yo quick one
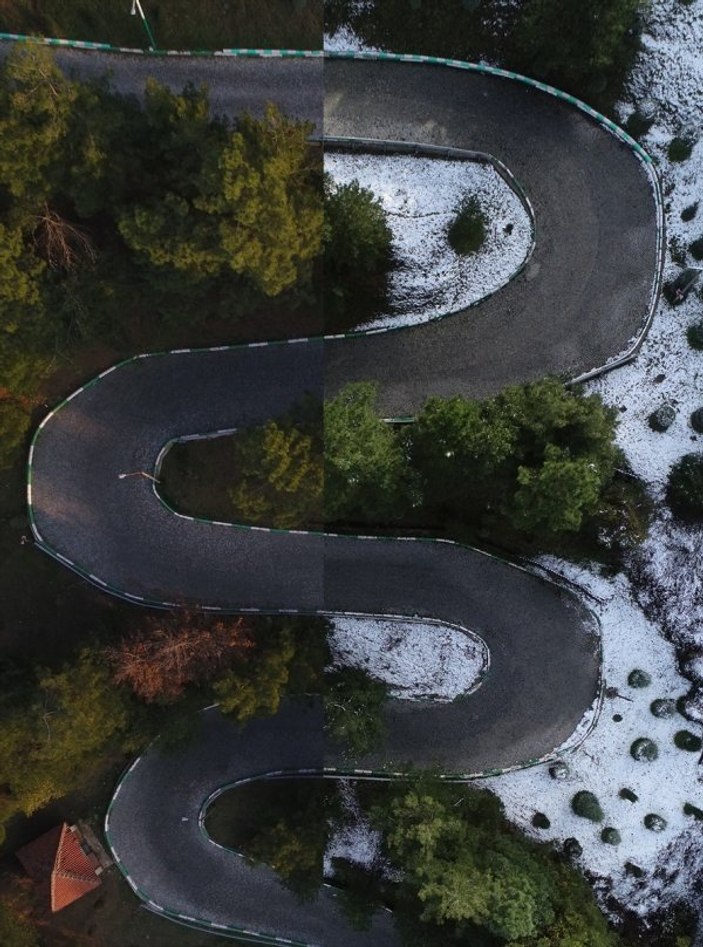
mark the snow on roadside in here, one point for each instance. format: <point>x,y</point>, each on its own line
<point>421,197</point>
<point>419,660</point>
<point>603,765</point>
<point>353,838</point>
<point>667,83</point>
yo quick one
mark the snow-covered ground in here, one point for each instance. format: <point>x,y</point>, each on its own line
<point>421,197</point>
<point>665,578</point>
<point>603,764</point>
<point>418,660</point>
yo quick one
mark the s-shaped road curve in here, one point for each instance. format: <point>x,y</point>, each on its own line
<point>584,296</point>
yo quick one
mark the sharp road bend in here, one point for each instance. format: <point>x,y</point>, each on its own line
<point>583,298</point>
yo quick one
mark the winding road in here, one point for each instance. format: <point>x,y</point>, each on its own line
<point>584,297</point>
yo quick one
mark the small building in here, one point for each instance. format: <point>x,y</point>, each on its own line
<point>64,863</point>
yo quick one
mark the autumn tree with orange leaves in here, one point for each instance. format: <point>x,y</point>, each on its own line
<point>176,649</point>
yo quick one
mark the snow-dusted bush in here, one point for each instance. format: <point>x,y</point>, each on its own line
<point>685,740</point>
<point>639,678</point>
<point>586,805</point>
<point>685,487</point>
<point>691,706</point>
<point>610,836</point>
<point>680,149</point>
<point>690,809</point>
<point>467,232</point>
<point>654,822</point>
<point>662,417</point>
<point>696,249</point>
<point>572,848</point>
<point>696,420</point>
<point>559,770</point>
<point>644,750</point>
<point>540,821</point>
<point>694,336</point>
<point>663,707</point>
<point>688,213</point>
<point>628,794</point>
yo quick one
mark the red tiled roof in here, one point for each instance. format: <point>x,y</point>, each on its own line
<point>58,854</point>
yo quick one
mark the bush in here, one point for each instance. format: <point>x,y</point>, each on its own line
<point>663,707</point>
<point>685,487</point>
<point>662,418</point>
<point>572,848</point>
<point>696,420</point>
<point>694,335</point>
<point>610,836</point>
<point>628,794</point>
<point>696,249</point>
<point>639,678</point>
<point>690,809</point>
<point>586,805</point>
<point>688,213</point>
<point>634,870</point>
<point>559,770</point>
<point>679,149</point>
<point>644,750</point>
<point>637,125</point>
<point>540,821</point>
<point>467,232</point>
<point>654,822</point>
<point>685,740</point>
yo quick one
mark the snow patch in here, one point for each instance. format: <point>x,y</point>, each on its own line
<point>418,660</point>
<point>421,197</point>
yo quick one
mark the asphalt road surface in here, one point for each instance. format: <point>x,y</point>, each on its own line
<point>584,295</point>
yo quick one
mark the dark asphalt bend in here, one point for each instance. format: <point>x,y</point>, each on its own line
<point>583,296</point>
<point>586,291</point>
<point>153,826</point>
<point>117,530</point>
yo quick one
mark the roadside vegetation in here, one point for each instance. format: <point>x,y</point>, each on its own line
<point>175,24</point>
<point>584,48</point>
<point>120,220</point>
<point>449,865</point>
<point>358,255</point>
<point>534,469</point>
<point>467,232</point>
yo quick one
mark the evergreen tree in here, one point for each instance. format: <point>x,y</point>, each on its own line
<point>366,475</point>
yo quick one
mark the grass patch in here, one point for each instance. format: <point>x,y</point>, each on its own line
<point>467,232</point>
<point>176,24</point>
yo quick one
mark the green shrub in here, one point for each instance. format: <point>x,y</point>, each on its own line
<point>639,678</point>
<point>663,707</point>
<point>540,821</point>
<point>685,487</point>
<point>586,805</point>
<point>644,750</point>
<point>662,418</point>
<point>628,794</point>
<point>694,335</point>
<point>679,149</point>
<point>688,213</point>
<point>637,125</point>
<point>685,740</point>
<point>654,822</point>
<point>696,249</point>
<point>467,232</point>
<point>634,870</point>
<point>690,809</point>
<point>696,420</point>
<point>610,836</point>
